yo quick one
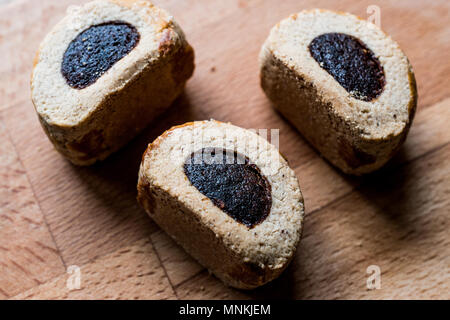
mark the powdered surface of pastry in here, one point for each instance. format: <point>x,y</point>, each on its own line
<point>104,72</point>
<point>345,85</point>
<point>241,219</point>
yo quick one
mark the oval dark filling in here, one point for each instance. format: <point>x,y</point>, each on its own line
<point>232,183</point>
<point>95,50</point>
<point>351,63</point>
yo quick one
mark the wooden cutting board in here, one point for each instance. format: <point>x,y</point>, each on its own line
<point>58,221</point>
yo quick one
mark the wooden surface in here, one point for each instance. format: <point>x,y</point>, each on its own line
<point>54,215</point>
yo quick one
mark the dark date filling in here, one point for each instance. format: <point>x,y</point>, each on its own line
<point>95,50</point>
<point>232,183</point>
<point>351,63</point>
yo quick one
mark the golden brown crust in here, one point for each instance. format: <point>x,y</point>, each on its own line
<point>357,137</point>
<point>130,3</point>
<point>162,65</point>
<point>95,144</point>
<point>155,144</point>
<point>413,102</point>
<point>241,257</point>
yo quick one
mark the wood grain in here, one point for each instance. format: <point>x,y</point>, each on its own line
<point>132,272</point>
<point>396,218</point>
<point>390,221</point>
<point>430,131</point>
<point>28,255</point>
<point>91,211</point>
<point>322,186</point>
<point>177,263</point>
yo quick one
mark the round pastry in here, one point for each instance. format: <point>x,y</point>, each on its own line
<point>104,72</point>
<point>345,85</point>
<point>227,196</point>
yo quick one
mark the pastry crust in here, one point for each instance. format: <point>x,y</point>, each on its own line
<point>241,256</point>
<point>89,124</point>
<point>356,136</point>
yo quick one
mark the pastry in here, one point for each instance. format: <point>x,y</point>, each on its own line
<point>105,72</point>
<point>227,196</point>
<point>343,83</point>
